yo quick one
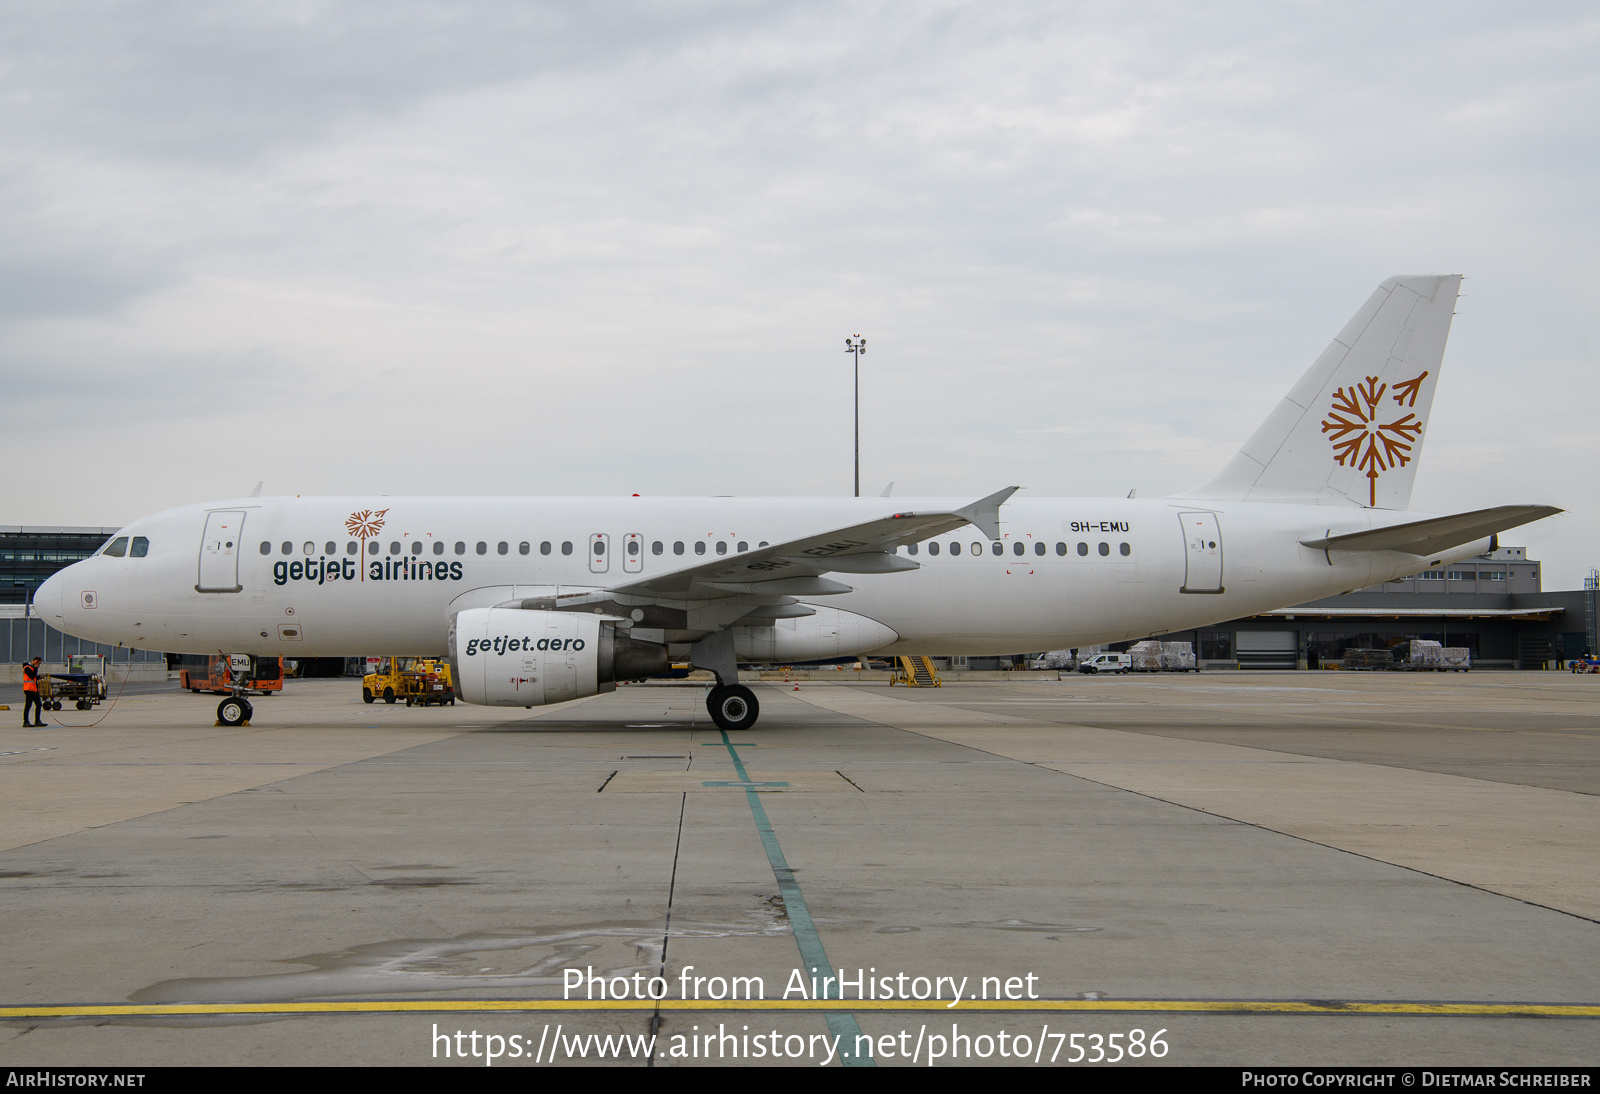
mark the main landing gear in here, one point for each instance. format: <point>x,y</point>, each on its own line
<point>733,706</point>
<point>234,712</point>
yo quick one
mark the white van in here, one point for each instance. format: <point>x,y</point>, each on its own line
<point>1106,662</point>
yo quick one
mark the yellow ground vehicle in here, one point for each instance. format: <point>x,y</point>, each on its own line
<point>420,681</point>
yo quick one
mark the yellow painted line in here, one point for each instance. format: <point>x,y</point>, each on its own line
<point>1089,1006</point>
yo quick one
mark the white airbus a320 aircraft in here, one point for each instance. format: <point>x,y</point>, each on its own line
<point>544,600</point>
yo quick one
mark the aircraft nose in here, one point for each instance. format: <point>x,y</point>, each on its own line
<point>47,598</point>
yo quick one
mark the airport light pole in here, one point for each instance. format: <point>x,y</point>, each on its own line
<point>856,347</point>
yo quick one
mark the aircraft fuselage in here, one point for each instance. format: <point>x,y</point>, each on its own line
<point>344,576</point>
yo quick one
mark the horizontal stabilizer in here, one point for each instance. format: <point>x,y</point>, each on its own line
<point>1426,537</point>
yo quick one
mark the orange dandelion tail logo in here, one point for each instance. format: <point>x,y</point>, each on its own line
<point>1360,440</point>
<point>364,525</point>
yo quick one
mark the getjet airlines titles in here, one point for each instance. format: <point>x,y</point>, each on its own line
<point>543,600</point>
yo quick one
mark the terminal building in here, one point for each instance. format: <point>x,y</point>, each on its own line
<point>1494,605</point>
<point>28,555</point>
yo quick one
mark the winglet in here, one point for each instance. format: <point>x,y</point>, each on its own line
<point>984,514</point>
<point>256,493</point>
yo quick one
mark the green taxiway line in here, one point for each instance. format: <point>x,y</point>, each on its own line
<point>840,1023</point>
<point>1080,1006</point>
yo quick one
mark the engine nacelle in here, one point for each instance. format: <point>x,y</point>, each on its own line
<point>506,657</point>
<point>829,633</point>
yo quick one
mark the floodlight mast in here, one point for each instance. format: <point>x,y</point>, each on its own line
<point>856,346</point>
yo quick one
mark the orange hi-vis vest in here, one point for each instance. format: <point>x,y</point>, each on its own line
<point>30,678</point>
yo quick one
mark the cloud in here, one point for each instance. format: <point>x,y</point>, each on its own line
<point>538,247</point>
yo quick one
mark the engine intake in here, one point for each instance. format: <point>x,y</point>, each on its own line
<point>505,657</point>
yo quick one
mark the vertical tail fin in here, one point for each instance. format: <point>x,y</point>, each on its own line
<point>1351,431</point>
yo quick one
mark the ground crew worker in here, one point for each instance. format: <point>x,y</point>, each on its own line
<point>30,695</point>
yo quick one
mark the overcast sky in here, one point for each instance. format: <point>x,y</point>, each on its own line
<point>605,249</point>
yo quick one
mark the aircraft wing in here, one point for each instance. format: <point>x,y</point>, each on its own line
<point>1425,537</point>
<point>765,581</point>
<point>866,548</point>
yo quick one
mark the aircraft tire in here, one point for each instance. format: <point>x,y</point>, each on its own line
<point>733,707</point>
<point>233,712</point>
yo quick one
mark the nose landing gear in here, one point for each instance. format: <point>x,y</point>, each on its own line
<point>733,706</point>
<point>235,710</point>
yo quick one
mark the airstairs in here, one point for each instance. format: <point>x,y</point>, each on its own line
<point>915,672</point>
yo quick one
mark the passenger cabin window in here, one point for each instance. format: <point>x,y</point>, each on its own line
<point>677,547</point>
<point>352,547</point>
<point>1083,548</point>
<point>438,547</point>
<point>911,548</point>
<point>118,548</point>
<point>461,548</point>
<point>524,547</point>
<point>309,548</point>
<point>1038,548</point>
<point>1105,548</point>
<point>266,548</point>
<point>955,548</point>
<point>566,546</point>
<point>1016,548</point>
<point>599,547</point>
<point>933,547</point>
<point>372,547</point>
<point>1061,548</point>
<point>656,548</point>
<point>416,546</point>
<point>977,548</point>
<point>743,546</point>
<point>544,547</point>
<point>722,548</point>
<point>502,547</point>
<point>1125,549</point>
<point>140,547</point>
<point>483,548</point>
<point>394,546</point>
<point>330,548</point>
<point>633,548</point>
<point>700,547</point>
<point>288,548</point>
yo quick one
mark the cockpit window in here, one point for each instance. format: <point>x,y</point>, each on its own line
<point>118,548</point>
<point>141,547</point>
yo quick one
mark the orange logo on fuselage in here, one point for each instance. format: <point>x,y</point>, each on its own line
<point>364,525</point>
